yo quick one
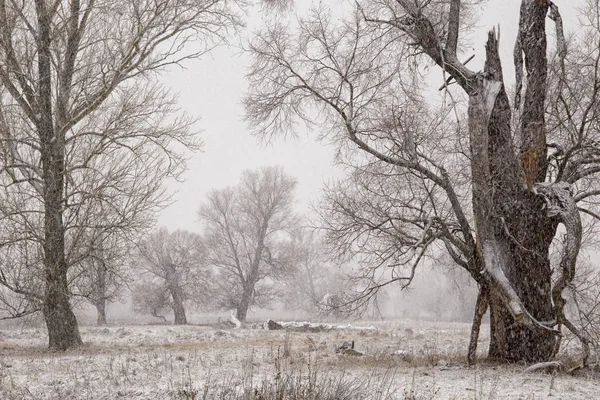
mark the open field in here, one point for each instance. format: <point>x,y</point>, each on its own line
<point>401,360</point>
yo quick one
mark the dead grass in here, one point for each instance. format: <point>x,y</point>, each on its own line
<point>203,363</point>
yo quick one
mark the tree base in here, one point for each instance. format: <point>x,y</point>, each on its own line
<point>63,330</point>
<point>513,342</point>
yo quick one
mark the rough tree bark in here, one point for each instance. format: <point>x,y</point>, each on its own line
<point>178,309</point>
<point>63,330</point>
<point>513,234</point>
<point>509,255</point>
<point>179,317</point>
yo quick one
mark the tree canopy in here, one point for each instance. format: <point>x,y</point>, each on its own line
<point>488,184</point>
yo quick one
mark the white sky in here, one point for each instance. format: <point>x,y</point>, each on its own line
<point>213,86</point>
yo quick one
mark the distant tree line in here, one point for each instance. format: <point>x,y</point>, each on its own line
<point>252,252</point>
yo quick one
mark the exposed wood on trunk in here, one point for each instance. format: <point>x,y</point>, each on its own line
<point>531,43</point>
<point>496,255</point>
<point>560,203</point>
<point>504,232</point>
<point>493,247</point>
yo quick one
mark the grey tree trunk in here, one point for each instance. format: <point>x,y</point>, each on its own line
<point>176,295</point>
<point>530,275</point>
<point>100,293</point>
<point>63,331</point>
<point>100,311</point>
<point>178,308</point>
<point>242,308</point>
<point>513,235</point>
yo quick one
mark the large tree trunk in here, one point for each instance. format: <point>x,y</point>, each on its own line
<point>527,229</point>
<point>513,342</point>
<point>532,232</point>
<point>528,233</point>
<point>63,331</point>
<point>178,308</point>
<point>177,296</point>
<point>513,233</point>
<point>242,308</point>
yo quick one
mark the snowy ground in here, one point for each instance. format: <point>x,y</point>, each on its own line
<point>407,360</point>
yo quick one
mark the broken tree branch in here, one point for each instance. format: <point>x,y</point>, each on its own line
<point>543,365</point>
<point>453,25</point>
<point>451,78</point>
<point>561,43</point>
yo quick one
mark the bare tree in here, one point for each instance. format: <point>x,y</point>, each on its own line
<point>174,263</point>
<point>151,297</point>
<point>245,237</point>
<point>313,275</point>
<point>411,194</point>
<point>20,272</point>
<point>78,101</point>
<point>101,276</point>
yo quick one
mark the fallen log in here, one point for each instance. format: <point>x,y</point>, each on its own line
<point>544,365</point>
<point>273,326</point>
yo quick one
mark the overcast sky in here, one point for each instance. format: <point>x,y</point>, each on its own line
<point>212,88</point>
